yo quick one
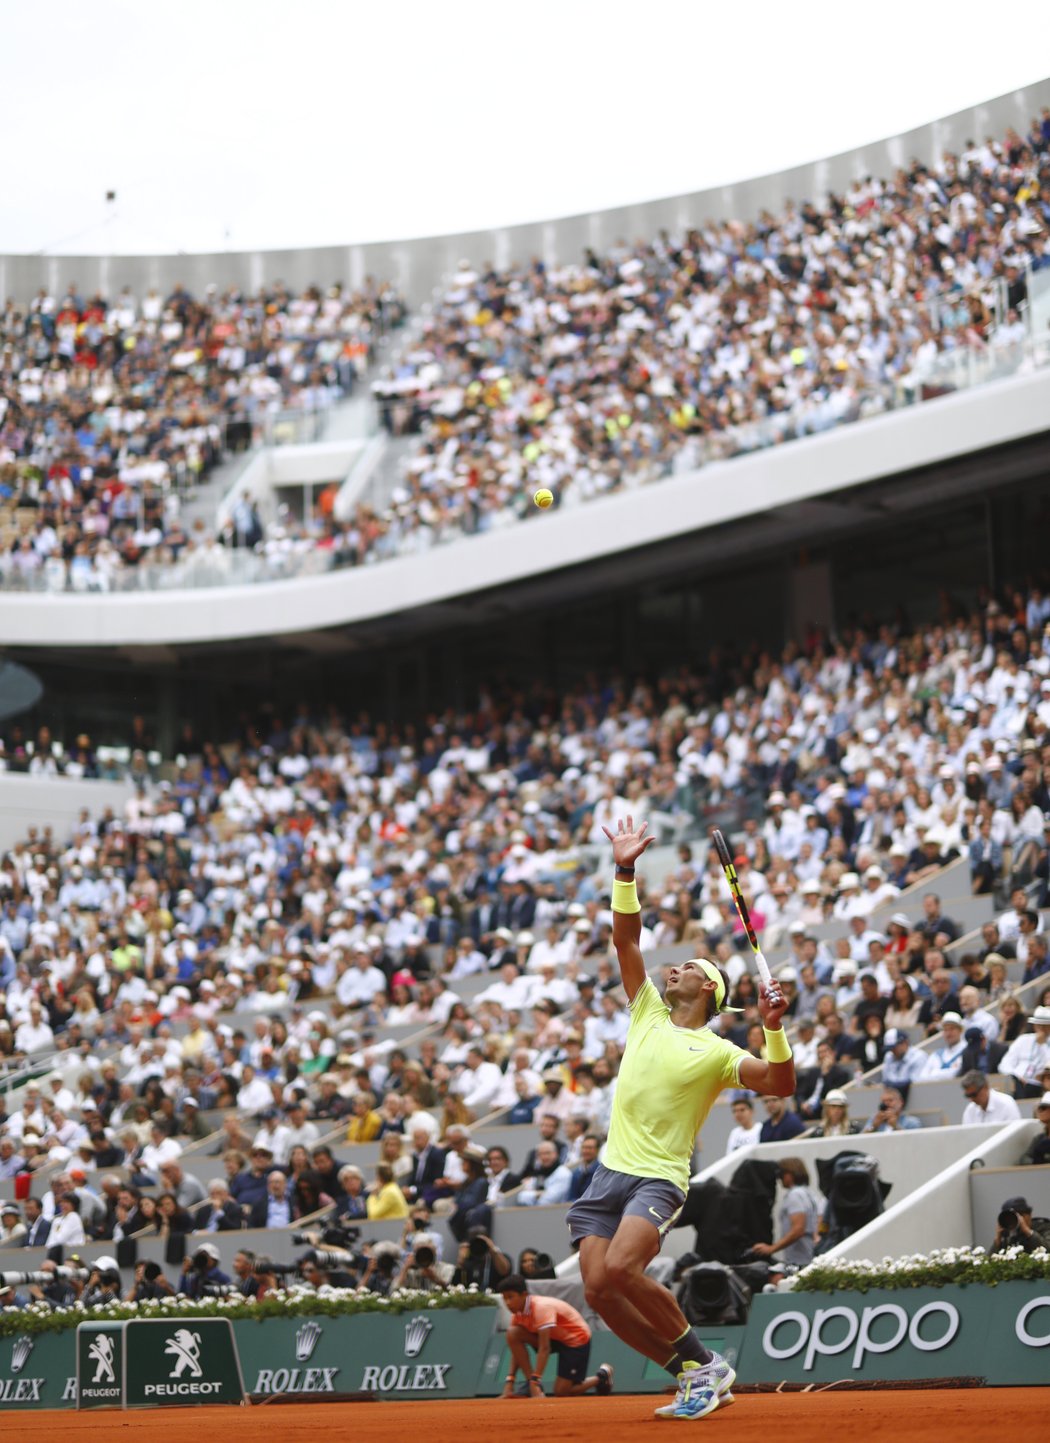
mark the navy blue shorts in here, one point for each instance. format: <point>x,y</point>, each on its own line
<point>572,1360</point>
<point>612,1196</point>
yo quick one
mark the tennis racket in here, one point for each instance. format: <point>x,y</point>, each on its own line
<point>741,906</point>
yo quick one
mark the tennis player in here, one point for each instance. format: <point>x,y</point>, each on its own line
<point>672,1071</point>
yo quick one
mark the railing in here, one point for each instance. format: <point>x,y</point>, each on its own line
<point>285,558</point>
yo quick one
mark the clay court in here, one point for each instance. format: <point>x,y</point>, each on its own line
<point>974,1414</point>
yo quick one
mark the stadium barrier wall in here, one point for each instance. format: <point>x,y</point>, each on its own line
<point>418,265</point>
<point>998,1334</point>
<point>55,802</point>
<point>907,1334</point>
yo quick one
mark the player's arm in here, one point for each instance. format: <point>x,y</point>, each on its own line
<point>628,846</point>
<point>776,1077</point>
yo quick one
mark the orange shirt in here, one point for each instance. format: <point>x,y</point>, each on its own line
<point>565,1323</point>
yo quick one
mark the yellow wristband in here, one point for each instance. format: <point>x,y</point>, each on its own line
<point>778,1048</point>
<point>625,897</point>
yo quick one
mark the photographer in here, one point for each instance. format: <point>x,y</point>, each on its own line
<point>200,1271</point>
<point>64,1287</point>
<point>383,1260</point>
<point>325,1268</point>
<point>150,1284</point>
<point>103,1286</point>
<point>267,1278</point>
<point>1018,1229</point>
<point>244,1277</point>
<point>480,1262</point>
<point>421,1271</point>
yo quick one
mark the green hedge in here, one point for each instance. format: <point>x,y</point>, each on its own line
<point>293,1303</point>
<point>930,1270</point>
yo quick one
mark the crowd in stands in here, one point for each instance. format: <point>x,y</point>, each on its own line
<point>112,408</point>
<point>581,378</point>
<point>240,942</point>
<point>652,357</point>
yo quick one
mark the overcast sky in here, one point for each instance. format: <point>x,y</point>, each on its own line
<point>224,124</point>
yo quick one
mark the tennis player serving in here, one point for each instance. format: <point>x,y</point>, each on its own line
<point>672,1071</point>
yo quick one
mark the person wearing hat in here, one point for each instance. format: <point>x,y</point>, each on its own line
<point>1017,1228</point>
<point>1027,1058</point>
<point>664,1092</point>
<point>201,1270</point>
<point>12,1228</point>
<point>1038,1151</point>
<point>902,1064</point>
<point>946,1060</point>
<point>835,1120</point>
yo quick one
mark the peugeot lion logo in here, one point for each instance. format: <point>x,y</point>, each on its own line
<point>20,1353</point>
<point>306,1340</point>
<point>417,1331</point>
<point>101,1354</point>
<point>185,1348</point>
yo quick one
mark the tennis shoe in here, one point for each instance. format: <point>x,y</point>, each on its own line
<point>605,1380</point>
<point>701,1390</point>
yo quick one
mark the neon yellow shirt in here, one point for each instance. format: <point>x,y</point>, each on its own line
<point>668,1080</point>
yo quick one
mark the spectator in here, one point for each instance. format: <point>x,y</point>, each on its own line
<point>946,1060</point>
<point>67,1229</point>
<point>890,1115</point>
<point>835,1120</point>
<point>781,1124</point>
<point>1029,1056</point>
<point>1038,1151</point>
<point>986,1105</point>
<point>12,1228</point>
<point>472,1208</point>
<point>745,1130</point>
<point>221,1212</point>
<point>385,1198</point>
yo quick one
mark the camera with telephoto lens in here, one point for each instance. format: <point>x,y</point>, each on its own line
<point>202,1261</point>
<point>424,1256</point>
<point>336,1235</point>
<point>543,1267</point>
<point>1007,1220</point>
<point>68,1275</point>
<point>264,1265</point>
<point>328,1258</point>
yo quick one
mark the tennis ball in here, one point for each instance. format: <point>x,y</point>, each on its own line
<point>543,499</point>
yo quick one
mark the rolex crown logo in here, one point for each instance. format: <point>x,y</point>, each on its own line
<point>417,1331</point>
<point>306,1340</point>
<point>20,1353</point>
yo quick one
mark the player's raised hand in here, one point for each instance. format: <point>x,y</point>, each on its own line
<point>772,1004</point>
<point>628,841</point>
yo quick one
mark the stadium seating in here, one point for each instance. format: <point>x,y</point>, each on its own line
<point>339,893</point>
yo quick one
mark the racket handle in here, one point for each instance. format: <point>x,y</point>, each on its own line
<point>763,969</point>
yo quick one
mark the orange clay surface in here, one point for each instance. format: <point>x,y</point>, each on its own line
<point>1019,1415</point>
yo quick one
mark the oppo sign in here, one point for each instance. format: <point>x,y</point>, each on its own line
<point>880,1329</point>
